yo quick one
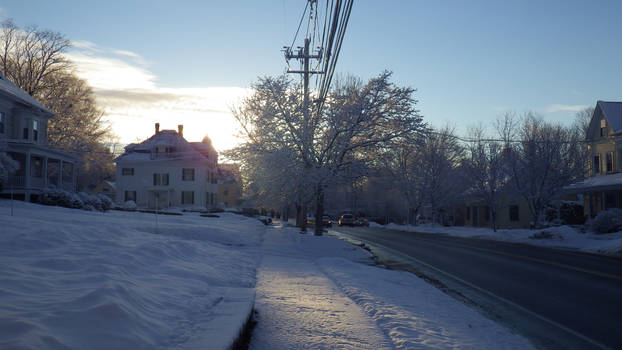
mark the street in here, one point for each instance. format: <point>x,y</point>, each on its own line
<point>557,299</point>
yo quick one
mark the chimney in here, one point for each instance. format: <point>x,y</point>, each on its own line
<point>180,130</point>
<point>157,128</point>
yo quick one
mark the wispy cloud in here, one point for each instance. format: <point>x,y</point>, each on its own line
<point>133,100</point>
<point>565,108</point>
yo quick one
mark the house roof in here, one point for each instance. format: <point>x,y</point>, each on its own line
<point>182,149</point>
<point>596,183</point>
<point>12,90</point>
<point>612,112</point>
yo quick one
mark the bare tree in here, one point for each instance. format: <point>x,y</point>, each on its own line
<point>546,158</point>
<point>485,168</point>
<point>31,56</point>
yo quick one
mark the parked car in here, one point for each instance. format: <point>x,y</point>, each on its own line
<point>346,219</point>
<point>361,222</point>
<point>327,221</point>
<point>265,219</point>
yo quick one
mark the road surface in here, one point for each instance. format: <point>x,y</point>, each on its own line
<point>558,299</point>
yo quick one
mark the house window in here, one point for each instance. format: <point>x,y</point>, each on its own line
<point>160,179</point>
<point>35,130</point>
<point>609,161</point>
<point>187,174</point>
<point>25,133</point>
<point>36,166</point>
<point>596,164</point>
<point>130,196</point>
<point>2,122</point>
<point>514,213</point>
<point>127,171</point>
<point>603,124</point>
<point>187,197</point>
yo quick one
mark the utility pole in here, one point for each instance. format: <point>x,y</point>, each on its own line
<point>305,56</point>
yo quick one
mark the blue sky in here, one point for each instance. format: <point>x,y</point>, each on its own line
<point>471,61</point>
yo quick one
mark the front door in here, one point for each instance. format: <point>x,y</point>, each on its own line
<point>157,199</point>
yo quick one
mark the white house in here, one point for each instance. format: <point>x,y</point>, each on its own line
<point>167,171</point>
<point>23,132</point>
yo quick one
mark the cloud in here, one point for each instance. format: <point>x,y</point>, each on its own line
<point>133,100</point>
<point>565,108</point>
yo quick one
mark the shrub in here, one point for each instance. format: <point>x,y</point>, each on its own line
<point>59,197</point>
<point>107,203</point>
<point>607,221</point>
<point>129,205</point>
<point>93,202</point>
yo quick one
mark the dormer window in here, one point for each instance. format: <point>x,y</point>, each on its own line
<point>603,125</point>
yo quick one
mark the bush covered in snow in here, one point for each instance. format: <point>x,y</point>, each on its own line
<point>607,221</point>
<point>107,203</point>
<point>129,205</point>
<point>61,198</point>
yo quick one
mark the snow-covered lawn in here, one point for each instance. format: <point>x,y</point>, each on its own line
<point>90,280</point>
<point>560,237</point>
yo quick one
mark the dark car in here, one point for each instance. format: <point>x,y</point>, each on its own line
<point>346,219</point>
<point>361,222</point>
<point>327,221</point>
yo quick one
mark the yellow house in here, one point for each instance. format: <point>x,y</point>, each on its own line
<point>603,187</point>
<point>512,212</point>
<point>229,186</point>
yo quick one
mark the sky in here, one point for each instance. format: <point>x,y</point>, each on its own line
<point>189,62</point>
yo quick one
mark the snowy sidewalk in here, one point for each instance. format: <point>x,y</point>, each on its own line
<point>316,293</point>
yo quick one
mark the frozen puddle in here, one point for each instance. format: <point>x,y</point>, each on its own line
<point>300,308</point>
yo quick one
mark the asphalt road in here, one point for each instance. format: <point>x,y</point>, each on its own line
<point>557,299</point>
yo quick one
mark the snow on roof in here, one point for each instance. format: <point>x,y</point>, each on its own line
<point>12,90</point>
<point>596,183</point>
<point>613,113</point>
<point>181,149</point>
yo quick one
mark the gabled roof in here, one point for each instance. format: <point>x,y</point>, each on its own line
<point>612,111</point>
<point>182,149</point>
<point>7,87</point>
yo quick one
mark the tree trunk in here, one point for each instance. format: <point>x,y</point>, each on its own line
<point>319,210</point>
<point>493,214</point>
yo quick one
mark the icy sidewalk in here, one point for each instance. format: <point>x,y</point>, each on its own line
<point>314,293</point>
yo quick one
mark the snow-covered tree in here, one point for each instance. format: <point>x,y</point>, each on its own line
<point>324,143</point>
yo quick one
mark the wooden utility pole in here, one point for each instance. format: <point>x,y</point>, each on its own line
<point>304,55</point>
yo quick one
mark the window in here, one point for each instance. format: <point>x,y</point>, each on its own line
<point>127,171</point>
<point>609,161</point>
<point>514,213</point>
<point>130,196</point>
<point>596,164</point>
<point>36,166</point>
<point>603,124</point>
<point>2,122</point>
<point>25,133</point>
<point>187,197</point>
<point>35,130</point>
<point>160,179</point>
<point>187,174</point>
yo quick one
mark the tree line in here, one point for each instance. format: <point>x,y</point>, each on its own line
<point>369,150</point>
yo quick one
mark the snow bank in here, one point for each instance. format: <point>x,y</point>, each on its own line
<point>559,237</point>
<point>91,280</point>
